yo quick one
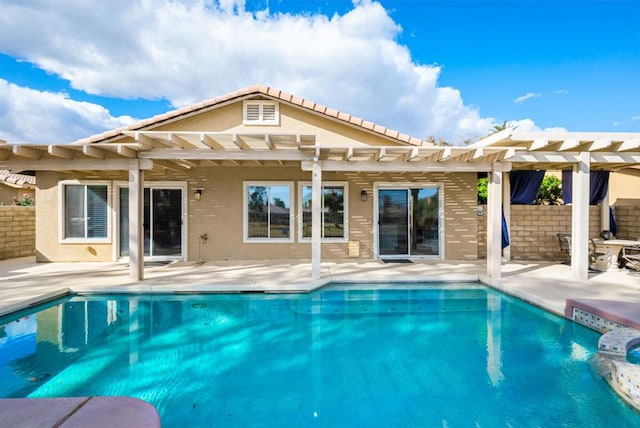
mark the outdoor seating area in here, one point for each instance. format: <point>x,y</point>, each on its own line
<point>603,254</point>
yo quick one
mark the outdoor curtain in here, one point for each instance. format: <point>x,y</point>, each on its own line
<point>525,185</point>
<point>598,187</point>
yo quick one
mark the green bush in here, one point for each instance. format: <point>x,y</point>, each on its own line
<point>550,191</point>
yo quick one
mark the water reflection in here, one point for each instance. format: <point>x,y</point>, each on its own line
<point>407,357</point>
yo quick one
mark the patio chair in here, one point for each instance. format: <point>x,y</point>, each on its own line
<point>565,245</point>
<point>598,261</point>
<point>631,257</point>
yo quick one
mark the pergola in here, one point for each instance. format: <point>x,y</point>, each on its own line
<point>136,151</point>
<point>578,151</point>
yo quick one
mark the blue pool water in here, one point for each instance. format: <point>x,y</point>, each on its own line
<point>344,356</point>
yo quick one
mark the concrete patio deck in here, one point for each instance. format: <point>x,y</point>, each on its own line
<point>548,285</point>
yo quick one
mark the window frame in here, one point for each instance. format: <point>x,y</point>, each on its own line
<point>345,186</point>
<point>261,120</point>
<point>62,185</point>
<point>245,212</point>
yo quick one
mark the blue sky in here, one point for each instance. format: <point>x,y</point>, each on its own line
<point>450,69</point>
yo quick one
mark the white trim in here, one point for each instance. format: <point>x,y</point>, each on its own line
<point>182,185</point>
<point>245,211</point>
<point>260,120</point>
<point>345,186</point>
<point>61,212</point>
<point>406,186</point>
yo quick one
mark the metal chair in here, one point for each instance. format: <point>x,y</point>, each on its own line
<point>631,257</point>
<point>565,245</point>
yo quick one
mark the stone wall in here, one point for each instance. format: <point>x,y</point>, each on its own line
<point>17,231</point>
<point>534,229</point>
<point>628,221</point>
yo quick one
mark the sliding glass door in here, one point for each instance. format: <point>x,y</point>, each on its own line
<point>162,223</point>
<point>409,221</point>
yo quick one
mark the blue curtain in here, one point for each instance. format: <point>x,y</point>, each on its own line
<point>505,233</point>
<point>525,185</point>
<point>613,227</point>
<point>598,185</point>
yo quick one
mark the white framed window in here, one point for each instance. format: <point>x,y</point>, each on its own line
<point>261,113</point>
<point>335,216</point>
<point>268,216</point>
<point>84,211</point>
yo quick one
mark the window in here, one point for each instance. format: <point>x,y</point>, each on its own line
<point>268,216</point>
<point>334,213</point>
<point>261,113</point>
<point>85,212</point>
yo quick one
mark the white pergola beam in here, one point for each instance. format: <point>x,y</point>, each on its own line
<point>93,152</point>
<point>73,165</point>
<point>27,152</point>
<point>600,144</point>
<point>210,141</point>
<point>60,152</point>
<point>539,143</point>
<point>400,166</point>
<point>568,144</point>
<point>631,144</point>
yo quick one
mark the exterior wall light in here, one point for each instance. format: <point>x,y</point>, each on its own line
<point>197,194</point>
<point>363,196</point>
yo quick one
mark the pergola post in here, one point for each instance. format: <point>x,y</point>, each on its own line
<point>494,221</point>
<point>316,220</point>
<point>580,218</point>
<point>136,233</point>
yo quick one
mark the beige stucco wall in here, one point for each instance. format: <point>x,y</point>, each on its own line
<point>624,186</point>
<point>219,214</point>
<point>228,119</point>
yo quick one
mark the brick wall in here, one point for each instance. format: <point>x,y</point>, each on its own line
<point>534,229</point>
<point>17,232</point>
<point>628,221</point>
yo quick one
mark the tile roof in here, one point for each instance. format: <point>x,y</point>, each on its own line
<point>268,92</point>
<point>17,180</point>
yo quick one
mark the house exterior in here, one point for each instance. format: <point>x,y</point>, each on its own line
<point>261,174</point>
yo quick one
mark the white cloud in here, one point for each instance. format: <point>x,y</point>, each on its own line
<point>30,116</point>
<point>560,92</point>
<point>526,97</point>
<point>635,117</point>
<point>190,50</point>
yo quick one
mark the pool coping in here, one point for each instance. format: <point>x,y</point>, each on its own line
<point>70,412</point>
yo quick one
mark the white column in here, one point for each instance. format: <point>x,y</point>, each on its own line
<point>136,233</point>
<point>506,209</point>
<point>316,220</point>
<point>605,214</point>
<point>580,218</point>
<point>494,221</point>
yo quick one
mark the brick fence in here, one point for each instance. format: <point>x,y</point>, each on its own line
<point>534,229</point>
<point>17,232</point>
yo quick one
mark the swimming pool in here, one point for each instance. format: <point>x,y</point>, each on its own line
<point>385,355</point>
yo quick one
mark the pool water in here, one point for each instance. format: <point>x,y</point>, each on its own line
<point>344,356</point>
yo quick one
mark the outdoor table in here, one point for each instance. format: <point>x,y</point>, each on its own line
<point>613,247</point>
